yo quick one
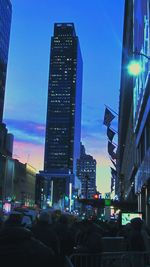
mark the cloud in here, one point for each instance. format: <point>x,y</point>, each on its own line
<point>94,137</point>
<point>29,131</point>
<point>29,146</point>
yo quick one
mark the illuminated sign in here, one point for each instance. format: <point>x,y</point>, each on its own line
<point>108,202</point>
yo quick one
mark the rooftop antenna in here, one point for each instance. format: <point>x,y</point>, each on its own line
<point>28,157</point>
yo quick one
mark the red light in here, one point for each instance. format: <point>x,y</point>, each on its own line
<point>96,196</point>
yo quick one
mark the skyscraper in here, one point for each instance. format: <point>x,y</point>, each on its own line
<point>86,172</point>
<point>5,24</point>
<point>63,124</point>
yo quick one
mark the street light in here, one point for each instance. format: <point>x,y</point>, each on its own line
<point>135,67</point>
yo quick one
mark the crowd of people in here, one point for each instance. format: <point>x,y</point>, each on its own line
<point>50,238</point>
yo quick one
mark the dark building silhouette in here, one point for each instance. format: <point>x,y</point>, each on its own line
<point>6,140</point>
<point>86,172</point>
<point>5,24</point>
<point>63,123</point>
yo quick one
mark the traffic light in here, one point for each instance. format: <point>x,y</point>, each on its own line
<point>66,198</point>
<point>96,196</point>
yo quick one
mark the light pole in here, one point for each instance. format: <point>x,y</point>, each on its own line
<point>141,54</point>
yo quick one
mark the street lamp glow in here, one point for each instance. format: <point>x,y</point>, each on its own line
<point>135,68</point>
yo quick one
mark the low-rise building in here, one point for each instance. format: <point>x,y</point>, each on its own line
<point>18,183</point>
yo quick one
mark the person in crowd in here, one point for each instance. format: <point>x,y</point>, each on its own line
<point>1,219</point>
<point>89,238</point>
<point>135,240</point>
<point>146,236</point>
<point>26,221</point>
<point>88,241</point>
<point>65,236</point>
<point>44,231</point>
<point>63,231</point>
<point>18,247</point>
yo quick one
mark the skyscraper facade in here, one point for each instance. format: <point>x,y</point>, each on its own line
<point>63,124</point>
<point>86,172</point>
<point>5,24</point>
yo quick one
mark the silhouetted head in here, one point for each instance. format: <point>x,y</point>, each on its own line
<point>137,223</point>
<point>14,219</point>
<point>45,217</point>
<point>63,219</point>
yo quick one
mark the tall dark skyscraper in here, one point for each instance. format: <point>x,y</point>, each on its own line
<point>5,24</point>
<point>63,125</point>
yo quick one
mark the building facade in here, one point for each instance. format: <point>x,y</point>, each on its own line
<point>41,191</point>
<point>141,105</point>
<point>86,172</point>
<point>63,123</point>
<point>18,183</point>
<point>5,24</point>
<point>126,137</point>
<point>134,121</point>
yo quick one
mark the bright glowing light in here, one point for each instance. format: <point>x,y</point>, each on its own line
<point>7,207</point>
<point>135,68</point>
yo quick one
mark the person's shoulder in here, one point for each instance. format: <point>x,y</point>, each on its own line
<point>39,247</point>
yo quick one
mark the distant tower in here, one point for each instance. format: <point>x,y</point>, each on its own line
<point>63,124</point>
<point>5,24</point>
<point>86,172</point>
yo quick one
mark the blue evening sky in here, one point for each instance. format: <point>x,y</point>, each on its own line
<point>99,26</point>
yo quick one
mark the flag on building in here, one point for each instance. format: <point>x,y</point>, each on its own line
<point>112,184</point>
<point>113,162</point>
<point>114,155</point>
<point>113,178</point>
<point>110,134</point>
<point>108,117</point>
<point>113,172</point>
<point>111,152</point>
<point>111,148</point>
